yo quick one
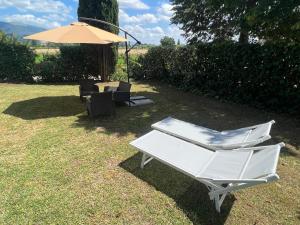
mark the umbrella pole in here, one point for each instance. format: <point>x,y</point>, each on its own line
<point>127,58</point>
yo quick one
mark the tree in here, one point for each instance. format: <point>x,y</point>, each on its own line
<point>106,10</point>
<point>167,42</point>
<point>211,20</point>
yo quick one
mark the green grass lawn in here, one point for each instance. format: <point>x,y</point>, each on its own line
<point>59,167</point>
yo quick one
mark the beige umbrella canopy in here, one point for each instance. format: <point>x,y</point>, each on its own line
<point>77,32</point>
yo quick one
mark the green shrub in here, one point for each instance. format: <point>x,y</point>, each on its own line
<point>156,64</point>
<point>72,64</point>
<point>49,69</point>
<point>16,60</point>
<point>265,76</point>
<point>120,71</point>
<point>119,74</point>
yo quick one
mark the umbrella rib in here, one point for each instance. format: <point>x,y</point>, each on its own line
<point>119,39</point>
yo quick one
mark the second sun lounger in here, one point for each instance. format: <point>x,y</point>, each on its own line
<point>221,171</point>
<point>212,139</point>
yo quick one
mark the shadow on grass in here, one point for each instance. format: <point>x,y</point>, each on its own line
<point>46,107</point>
<point>190,195</point>
<point>168,101</point>
<point>136,120</point>
<point>192,108</point>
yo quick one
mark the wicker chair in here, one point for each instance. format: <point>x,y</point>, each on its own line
<point>87,87</point>
<point>100,104</point>
<point>121,94</point>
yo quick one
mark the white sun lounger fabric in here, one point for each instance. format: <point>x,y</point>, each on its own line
<point>212,139</point>
<point>237,169</point>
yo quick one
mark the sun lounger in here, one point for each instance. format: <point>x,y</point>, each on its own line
<point>221,171</point>
<point>212,139</point>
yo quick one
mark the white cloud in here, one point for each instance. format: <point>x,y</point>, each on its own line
<point>54,12</point>
<point>143,25</point>
<point>57,17</point>
<point>165,11</point>
<point>40,6</point>
<point>145,32</point>
<point>138,19</point>
<point>153,35</point>
<point>132,4</point>
<point>174,32</point>
<point>31,20</point>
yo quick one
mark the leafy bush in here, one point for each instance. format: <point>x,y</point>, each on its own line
<point>72,64</point>
<point>156,64</point>
<point>265,76</point>
<point>49,69</point>
<point>16,60</point>
<point>120,71</point>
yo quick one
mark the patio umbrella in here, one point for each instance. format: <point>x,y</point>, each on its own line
<point>77,33</point>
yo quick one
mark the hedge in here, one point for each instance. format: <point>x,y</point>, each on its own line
<point>74,63</point>
<point>16,61</point>
<point>265,76</point>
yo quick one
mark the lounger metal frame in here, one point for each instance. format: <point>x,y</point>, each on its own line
<point>219,188</point>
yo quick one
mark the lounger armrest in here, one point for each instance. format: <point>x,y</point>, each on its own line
<point>266,179</point>
<point>258,148</point>
<point>237,181</point>
<point>242,145</point>
<point>251,127</point>
<point>233,146</point>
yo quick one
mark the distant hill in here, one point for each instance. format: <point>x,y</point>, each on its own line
<point>19,30</point>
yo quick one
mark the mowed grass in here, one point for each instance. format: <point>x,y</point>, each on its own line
<point>57,166</point>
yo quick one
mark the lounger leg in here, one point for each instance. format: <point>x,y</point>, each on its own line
<point>145,160</point>
<point>219,201</point>
<point>217,204</point>
<point>217,198</point>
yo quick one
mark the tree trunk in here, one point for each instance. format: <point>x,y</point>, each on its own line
<point>106,63</point>
<point>244,33</point>
<point>244,37</point>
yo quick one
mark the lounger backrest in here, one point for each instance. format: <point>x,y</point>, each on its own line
<point>261,131</point>
<point>242,163</point>
<point>186,131</point>
<point>226,165</point>
<point>214,140</point>
<point>263,163</point>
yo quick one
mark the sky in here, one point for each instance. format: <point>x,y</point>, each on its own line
<point>147,20</point>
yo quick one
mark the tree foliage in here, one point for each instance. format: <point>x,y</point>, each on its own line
<point>106,10</point>
<point>270,20</point>
<point>167,42</point>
